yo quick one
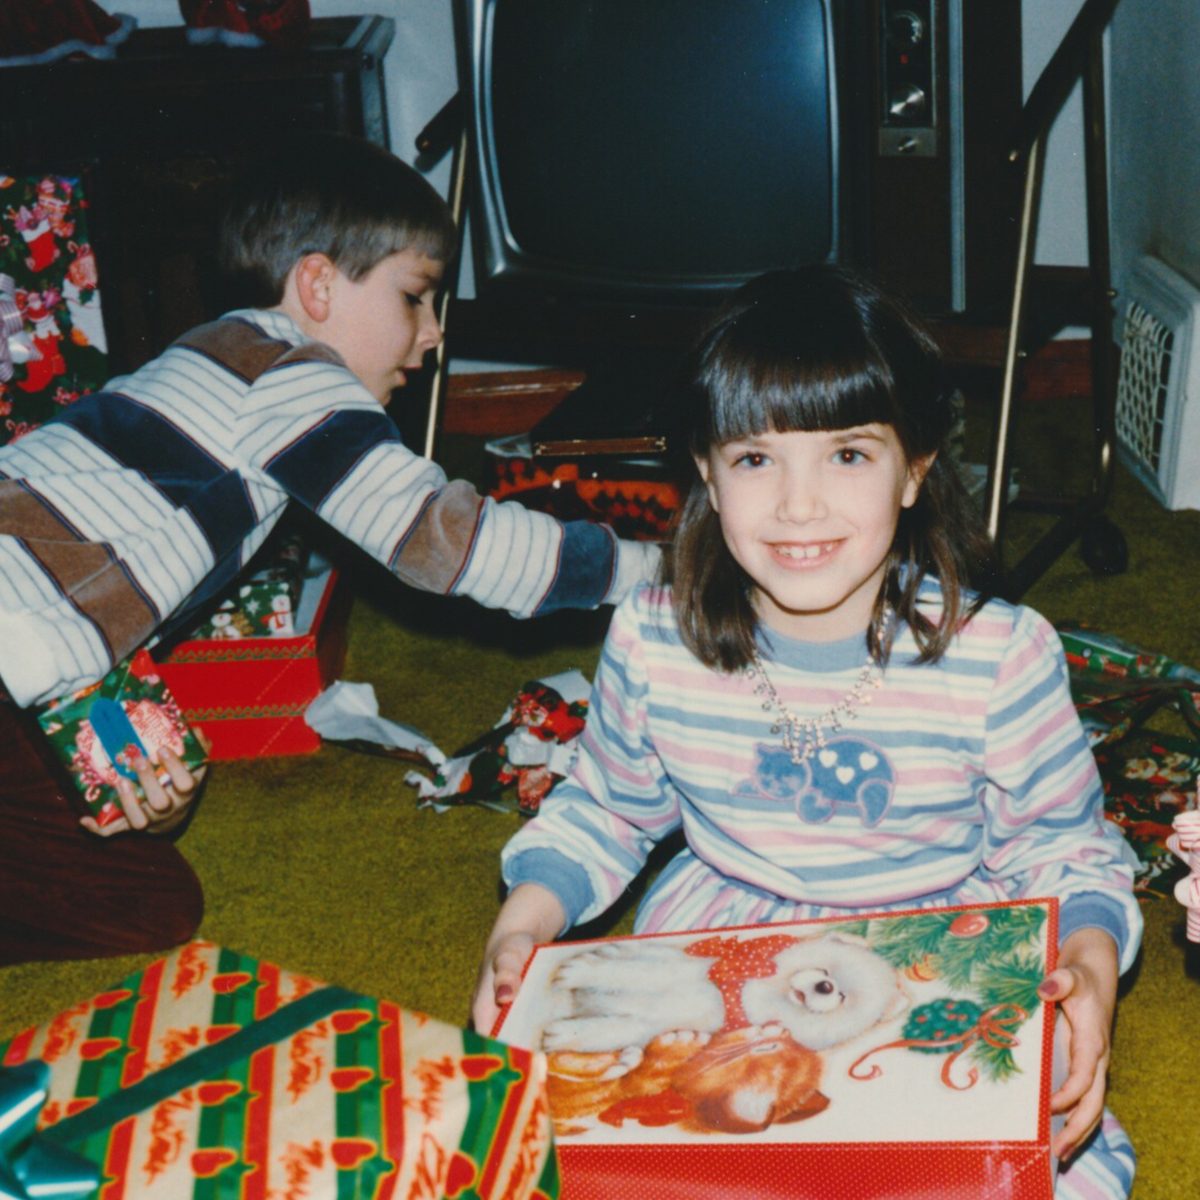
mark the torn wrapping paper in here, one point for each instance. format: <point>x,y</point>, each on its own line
<point>1149,774</point>
<point>533,746</point>
<point>348,713</point>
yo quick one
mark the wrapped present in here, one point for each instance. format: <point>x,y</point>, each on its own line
<point>889,1057</point>
<point>1148,774</point>
<point>99,731</point>
<point>211,1074</point>
<point>264,603</point>
<point>636,496</point>
<point>55,350</point>
<point>532,746</point>
<point>250,694</point>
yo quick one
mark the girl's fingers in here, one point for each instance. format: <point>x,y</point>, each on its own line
<point>1082,1122</point>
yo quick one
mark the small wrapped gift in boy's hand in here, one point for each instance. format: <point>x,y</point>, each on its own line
<point>134,759</point>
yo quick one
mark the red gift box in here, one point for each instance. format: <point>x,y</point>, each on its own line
<point>636,497</point>
<point>249,694</point>
<point>888,1057</point>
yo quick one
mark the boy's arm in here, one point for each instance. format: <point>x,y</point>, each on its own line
<point>321,437</point>
<point>507,556</point>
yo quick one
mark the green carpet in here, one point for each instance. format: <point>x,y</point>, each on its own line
<point>326,865</point>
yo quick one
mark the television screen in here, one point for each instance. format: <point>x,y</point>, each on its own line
<point>650,149</point>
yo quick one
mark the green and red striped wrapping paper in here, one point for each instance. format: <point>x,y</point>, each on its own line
<point>360,1098</point>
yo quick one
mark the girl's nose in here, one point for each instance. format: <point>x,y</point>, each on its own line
<point>799,498</point>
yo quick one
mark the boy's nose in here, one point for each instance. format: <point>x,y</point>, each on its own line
<point>431,330</point>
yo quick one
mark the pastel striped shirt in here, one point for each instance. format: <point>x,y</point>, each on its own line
<point>147,499</point>
<point>963,781</point>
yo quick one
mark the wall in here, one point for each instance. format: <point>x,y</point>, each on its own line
<point>1155,137</point>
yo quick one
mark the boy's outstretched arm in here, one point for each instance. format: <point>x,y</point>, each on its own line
<point>1084,985</point>
<point>530,915</point>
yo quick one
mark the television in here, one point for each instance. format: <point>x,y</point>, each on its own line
<point>633,161</point>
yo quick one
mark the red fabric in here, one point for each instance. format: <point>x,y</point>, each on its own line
<point>278,22</point>
<point>34,26</point>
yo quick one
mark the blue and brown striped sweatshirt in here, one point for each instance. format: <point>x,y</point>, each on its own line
<point>148,498</point>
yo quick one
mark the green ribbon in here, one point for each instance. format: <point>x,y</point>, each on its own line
<point>30,1169</point>
<point>42,1168</point>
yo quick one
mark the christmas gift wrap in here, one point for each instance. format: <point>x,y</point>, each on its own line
<point>99,731</point>
<point>250,694</point>
<point>264,604</point>
<point>217,1076</point>
<point>889,1057</point>
<point>53,348</point>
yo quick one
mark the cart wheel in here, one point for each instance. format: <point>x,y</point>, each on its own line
<point>1103,547</point>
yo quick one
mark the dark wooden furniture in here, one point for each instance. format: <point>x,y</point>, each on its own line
<point>156,132</point>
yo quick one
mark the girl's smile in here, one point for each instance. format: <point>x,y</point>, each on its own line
<point>810,517</point>
<point>804,555</point>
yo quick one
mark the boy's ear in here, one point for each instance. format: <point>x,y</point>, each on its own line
<point>917,470</point>
<point>313,278</point>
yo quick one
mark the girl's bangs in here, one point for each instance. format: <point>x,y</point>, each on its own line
<point>798,396</point>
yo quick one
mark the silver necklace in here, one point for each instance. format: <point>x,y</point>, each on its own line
<point>804,736</point>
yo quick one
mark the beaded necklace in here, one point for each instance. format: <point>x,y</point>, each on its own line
<point>804,736</point>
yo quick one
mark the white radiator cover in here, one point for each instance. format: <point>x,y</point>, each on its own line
<point>1158,389</point>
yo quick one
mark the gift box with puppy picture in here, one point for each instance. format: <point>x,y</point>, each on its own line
<point>895,1055</point>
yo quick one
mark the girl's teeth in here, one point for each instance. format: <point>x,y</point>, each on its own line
<point>805,551</point>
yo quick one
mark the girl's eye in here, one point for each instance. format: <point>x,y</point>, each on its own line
<point>750,458</point>
<point>414,301</point>
<point>849,456</point>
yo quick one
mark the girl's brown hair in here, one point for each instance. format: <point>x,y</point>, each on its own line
<point>820,348</point>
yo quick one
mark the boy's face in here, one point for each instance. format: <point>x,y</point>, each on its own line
<point>384,323</point>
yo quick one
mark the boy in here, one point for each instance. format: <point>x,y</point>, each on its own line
<point>143,502</point>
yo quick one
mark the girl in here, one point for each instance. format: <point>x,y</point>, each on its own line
<point>816,700</point>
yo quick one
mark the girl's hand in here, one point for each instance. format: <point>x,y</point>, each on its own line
<point>1084,986</point>
<point>154,805</point>
<point>530,915</point>
<point>499,978</point>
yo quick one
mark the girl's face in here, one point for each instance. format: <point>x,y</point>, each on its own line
<point>810,517</point>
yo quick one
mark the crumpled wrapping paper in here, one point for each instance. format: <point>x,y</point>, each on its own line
<point>523,755</point>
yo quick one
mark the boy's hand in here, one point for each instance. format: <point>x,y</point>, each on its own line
<point>1084,986</point>
<point>154,806</point>
<point>530,915</point>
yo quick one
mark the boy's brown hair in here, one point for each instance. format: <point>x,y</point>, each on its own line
<point>329,194</point>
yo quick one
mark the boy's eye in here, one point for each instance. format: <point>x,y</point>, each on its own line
<point>414,301</point>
